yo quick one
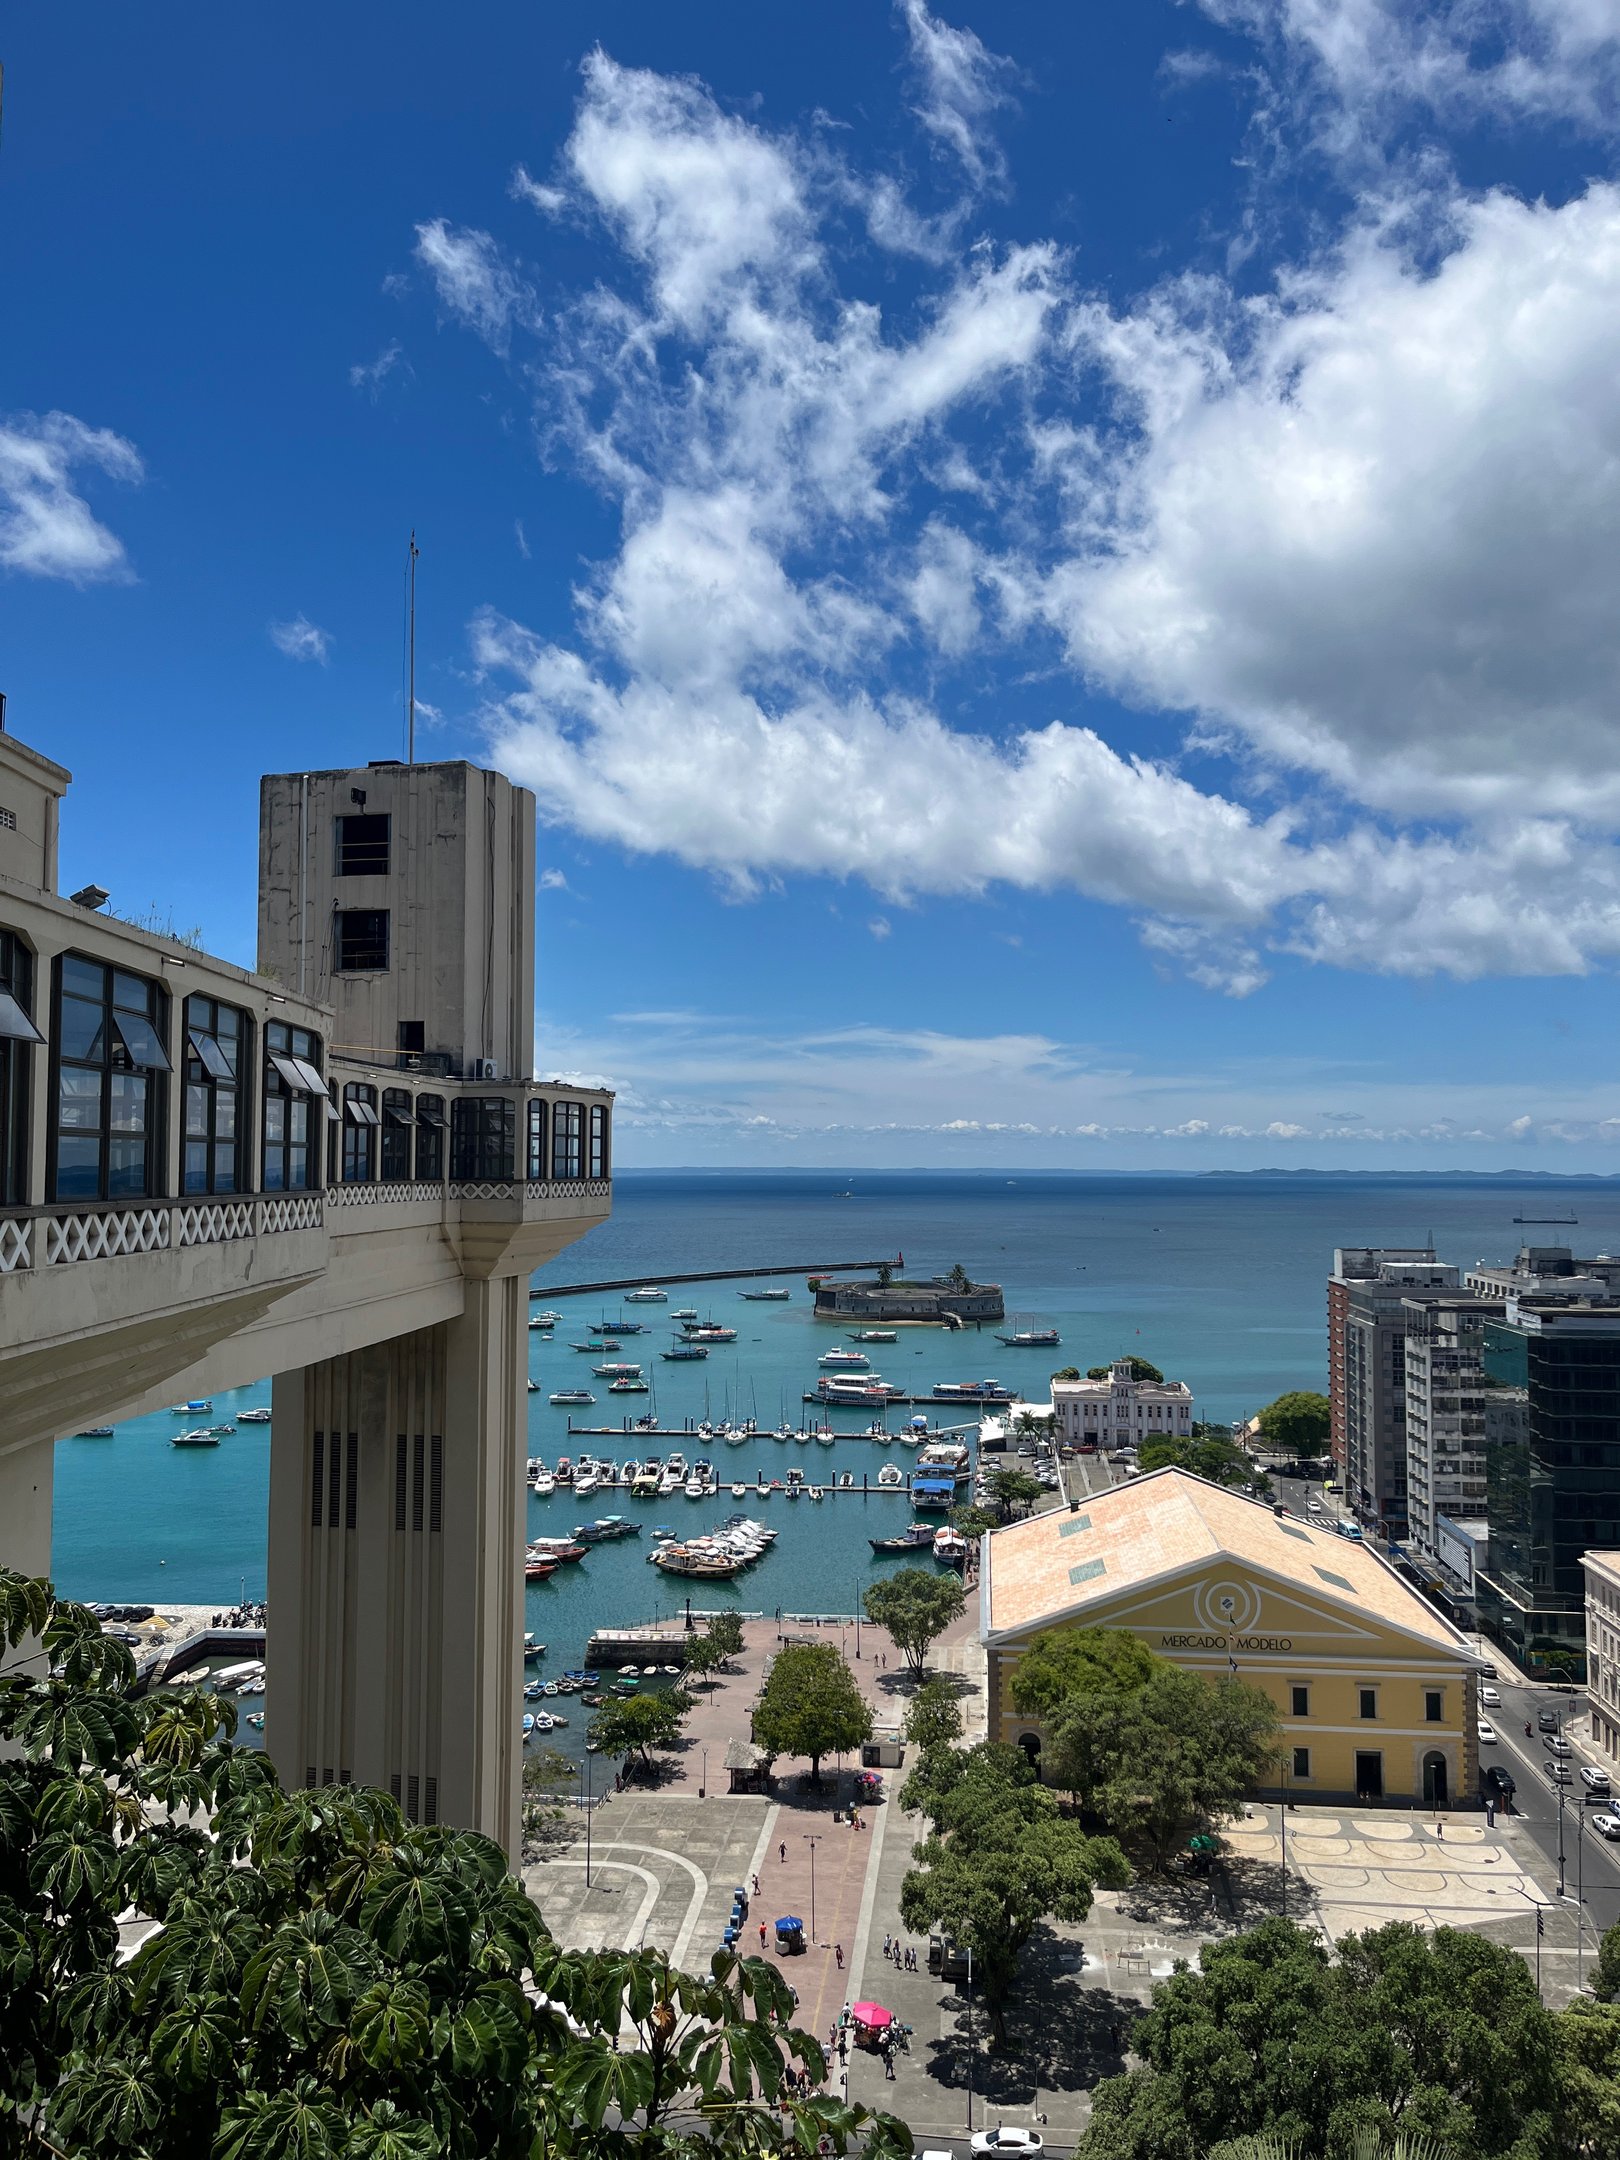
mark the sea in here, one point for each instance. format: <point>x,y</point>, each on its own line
<point>1219,1280</point>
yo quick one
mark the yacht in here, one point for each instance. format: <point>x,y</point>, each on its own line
<point>863,1390</point>
<point>677,1463</point>
<point>645,1483</point>
<point>765,1297</point>
<point>649,1296</point>
<point>854,1360</point>
<point>203,1436</point>
<point>192,1409</point>
<point>1033,1338</point>
<point>252,1417</point>
<point>572,1395</point>
<point>683,1312</point>
<point>544,1319</point>
<point>544,1484</point>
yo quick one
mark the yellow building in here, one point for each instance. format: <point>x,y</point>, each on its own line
<point>1375,1692</point>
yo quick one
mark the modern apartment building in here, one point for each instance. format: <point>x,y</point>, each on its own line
<point>1445,1415</point>
<point>1602,1574</point>
<point>1551,1367</point>
<point>1109,1412</point>
<point>339,1169</point>
<point>1371,1296</point>
<point>1352,1264</point>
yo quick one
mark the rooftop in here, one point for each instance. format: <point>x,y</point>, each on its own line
<point>1159,1526</point>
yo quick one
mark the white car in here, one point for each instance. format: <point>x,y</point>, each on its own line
<point>1594,1780</point>
<point>1005,2139</point>
<point>1606,1825</point>
<point>1491,1698</point>
<point>1487,1733</point>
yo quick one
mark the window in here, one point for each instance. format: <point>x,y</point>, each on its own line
<point>296,1104</point>
<point>362,846</point>
<point>1434,1705</point>
<point>537,1137</point>
<point>18,1034</point>
<point>110,1076</point>
<point>567,1139</point>
<point>430,1137</point>
<point>1302,1702</point>
<point>599,1140</point>
<point>362,941</point>
<point>360,1126</point>
<point>483,1139</point>
<point>397,1126</point>
<point>1302,1762</point>
<point>215,1135</point>
<point>1369,1702</point>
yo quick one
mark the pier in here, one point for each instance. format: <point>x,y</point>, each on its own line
<point>726,1274</point>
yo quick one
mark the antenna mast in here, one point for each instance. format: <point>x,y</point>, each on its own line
<point>410,741</point>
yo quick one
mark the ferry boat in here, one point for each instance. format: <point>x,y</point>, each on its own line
<point>683,1312</point>
<point>972,1391</point>
<point>875,1334</point>
<point>853,1360</point>
<point>683,1353</point>
<point>628,1386</point>
<point>252,1417</point>
<point>709,1331</point>
<point>648,1296</point>
<point>573,1395</point>
<point>950,1546</point>
<point>204,1436</point>
<point>615,1327</point>
<point>911,1539</point>
<point>1033,1338</point>
<point>617,1371</point>
<point>863,1390</point>
<point>765,1297</point>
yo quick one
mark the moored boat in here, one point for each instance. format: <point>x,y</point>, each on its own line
<point>917,1534</point>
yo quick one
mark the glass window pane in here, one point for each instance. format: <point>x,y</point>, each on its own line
<point>139,1039</point>
<point>128,1102</point>
<point>275,1119</point>
<point>132,993</point>
<point>225,1113</point>
<point>82,1035</point>
<point>277,1036</point>
<point>83,978</point>
<point>196,1111</point>
<point>298,1168</point>
<point>274,1176</point>
<point>225,1167</point>
<point>78,1169</point>
<point>227,1026</point>
<point>126,1168</point>
<point>15,1025</point>
<point>196,1166</point>
<point>211,1053</point>
<point>78,1101</point>
<point>298,1121</point>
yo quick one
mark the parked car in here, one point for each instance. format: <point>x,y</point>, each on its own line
<point>1607,1826</point>
<point>1005,2139</point>
<point>1594,1780</point>
<point>1487,1733</point>
<point>1491,1698</point>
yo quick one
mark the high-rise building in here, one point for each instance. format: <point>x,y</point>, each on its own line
<point>339,1170</point>
<point>1370,1299</point>
<point>1551,1367</point>
<point>1445,1414</point>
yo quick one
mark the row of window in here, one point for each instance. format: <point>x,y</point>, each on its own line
<point>110,1074</point>
<point>1434,1703</point>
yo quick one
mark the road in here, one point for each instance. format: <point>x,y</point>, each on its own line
<point>1591,1864</point>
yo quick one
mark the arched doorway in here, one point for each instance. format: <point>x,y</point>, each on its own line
<point>1031,1745</point>
<point>1436,1780</point>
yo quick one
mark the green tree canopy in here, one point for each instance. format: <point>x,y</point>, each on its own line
<point>1440,2036</point>
<point>960,1278</point>
<point>1140,1370</point>
<point>1012,1491</point>
<point>1001,1859</point>
<point>325,1980</point>
<point>811,1706</point>
<point>641,1725</point>
<point>916,1606</point>
<point>703,1656</point>
<point>1071,1662</point>
<point>934,1716</point>
<point>1217,1460</point>
<point>726,1633</point>
<point>1067,1372</point>
<point>1298,1422</point>
<point>974,1522</point>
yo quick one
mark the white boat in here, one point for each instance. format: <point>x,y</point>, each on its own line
<point>200,1408</point>
<point>739,1492</point>
<point>545,1319</point>
<point>950,1546</point>
<point>683,1312</point>
<point>648,1296</point>
<point>854,1360</point>
<point>252,1417</point>
<point>537,1326</point>
<point>891,1475</point>
<point>572,1395</point>
<point>695,1487</point>
<point>824,1438</point>
<point>204,1436</point>
<point>864,1390</point>
<point>545,1485</point>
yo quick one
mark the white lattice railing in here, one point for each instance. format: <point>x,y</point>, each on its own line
<point>568,1188</point>
<point>377,1195</point>
<point>105,1236</point>
<point>213,1222</point>
<point>16,1245</point>
<point>298,1211</point>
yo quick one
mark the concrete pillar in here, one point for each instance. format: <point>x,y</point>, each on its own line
<point>27,1479</point>
<point>397,1500</point>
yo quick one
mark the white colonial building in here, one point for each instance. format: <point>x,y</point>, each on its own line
<point>1120,1410</point>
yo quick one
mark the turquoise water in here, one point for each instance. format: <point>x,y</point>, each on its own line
<point>1218,1280</point>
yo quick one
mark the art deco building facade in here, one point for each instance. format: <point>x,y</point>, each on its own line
<point>339,1170</point>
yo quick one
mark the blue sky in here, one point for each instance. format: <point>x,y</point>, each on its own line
<point>1052,569</point>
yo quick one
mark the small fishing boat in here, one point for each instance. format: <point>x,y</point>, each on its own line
<point>950,1546</point>
<point>875,1334</point>
<point>684,1353</point>
<point>911,1539</point>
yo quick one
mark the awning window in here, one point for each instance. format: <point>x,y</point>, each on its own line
<point>15,1025</point>
<point>140,1041</point>
<point>333,1115</point>
<point>313,1083</point>
<point>359,1113</point>
<point>292,1073</point>
<point>215,1063</point>
<point>429,1113</point>
<point>393,1115</point>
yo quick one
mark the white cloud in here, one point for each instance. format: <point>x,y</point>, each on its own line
<point>474,282</point>
<point>553,881</point>
<point>961,86</point>
<point>371,374</point>
<point>47,529</point>
<point>880,927</point>
<point>301,639</point>
<point>522,538</point>
<point>549,201</point>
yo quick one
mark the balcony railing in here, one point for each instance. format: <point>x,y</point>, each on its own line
<point>64,1237</point>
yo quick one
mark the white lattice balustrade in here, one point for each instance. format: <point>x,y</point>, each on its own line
<point>300,1211</point>
<point>16,1246</point>
<point>105,1237</point>
<point>215,1223</point>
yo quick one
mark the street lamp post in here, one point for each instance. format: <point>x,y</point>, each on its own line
<point>588,1764</point>
<point>968,2025</point>
<point>812,1842</point>
<point>1560,1841</point>
<point>857,1620</point>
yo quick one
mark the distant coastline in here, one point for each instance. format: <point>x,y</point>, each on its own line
<point>1011,1174</point>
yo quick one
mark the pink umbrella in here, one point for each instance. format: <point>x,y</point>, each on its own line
<point>871,2013</point>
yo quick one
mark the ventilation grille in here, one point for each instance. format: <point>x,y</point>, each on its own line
<point>8,819</point>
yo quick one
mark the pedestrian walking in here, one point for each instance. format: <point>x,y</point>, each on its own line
<point>1440,1831</point>
<point>756,1886</point>
<point>762,1935</point>
<point>782,1849</point>
<point>838,1953</point>
<point>888,1938</point>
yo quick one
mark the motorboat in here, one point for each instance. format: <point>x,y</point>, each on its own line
<point>648,1296</point>
<point>544,1485</point>
<point>971,1391</point>
<point>706,1331</point>
<point>950,1546</point>
<point>95,1432</point>
<point>628,1386</point>
<point>874,1334</point>
<point>253,1417</point>
<point>765,1297</point>
<point>204,1436</point>
<point>545,1319</point>
<point>572,1395</point>
<point>532,1651</point>
<point>891,1475</point>
<point>557,1549</point>
<point>199,1408</point>
<point>855,1360</point>
<point>537,1326</point>
<point>538,1570</point>
<point>533,1386</point>
<point>683,1312</point>
<point>220,1432</point>
<point>684,1353</point>
<point>645,1483</point>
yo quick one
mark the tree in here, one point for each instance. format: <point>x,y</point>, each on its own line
<point>326,1979</point>
<point>1438,2037</point>
<point>1605,1982</point>
<point>703,1656</point>
<point>1153,1751</point>
<point>1216,1460</point>
<point>726,1633</point>
<point>1140,1370</point>
<point>1011,1491</point>
<point>1297,1423</point>
<point>640,1725</point>
<point>1589,2075</point>
<point>974,1522</point>
<point>1068,1372</point>
<point>916,1607</point>
<point>934,1716</point>
<point>959,1278</point>
<point>885,1274</point>
<point>1001,1860</point>
<point>811,1706</point>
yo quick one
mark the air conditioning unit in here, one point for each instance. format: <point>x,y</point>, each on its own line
<point>486,1069</point>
